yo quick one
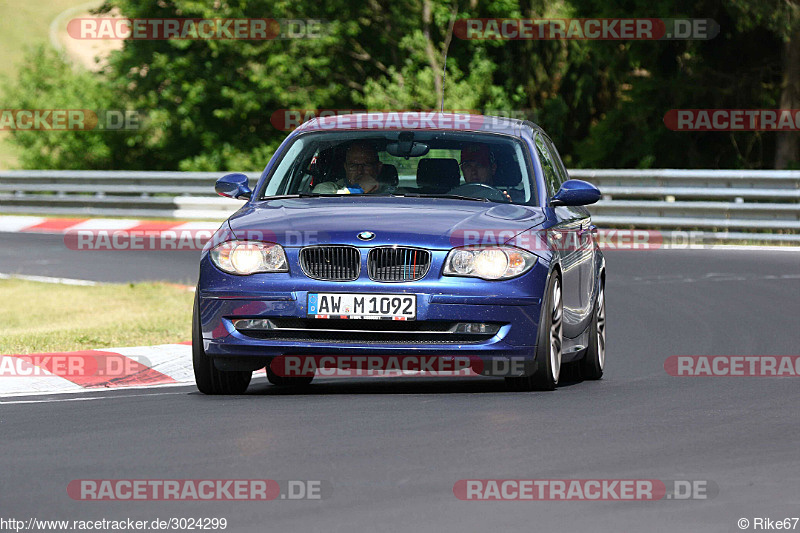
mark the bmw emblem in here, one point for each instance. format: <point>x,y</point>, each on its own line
<point>366,235</point>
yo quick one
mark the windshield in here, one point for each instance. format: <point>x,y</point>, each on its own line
<point>465,165</point>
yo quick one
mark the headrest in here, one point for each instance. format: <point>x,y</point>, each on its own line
<point>439,174</point>
<point>388,175</point>
<point>507,174</point>
<point>328,166</point>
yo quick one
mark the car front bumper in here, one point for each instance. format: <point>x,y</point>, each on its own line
<point>512,306</point>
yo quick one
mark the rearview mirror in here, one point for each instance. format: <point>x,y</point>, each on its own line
<point>407,147</point>
<point>235,185</point>
<point>575,192</point>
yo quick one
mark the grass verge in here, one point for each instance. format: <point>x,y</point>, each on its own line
<point>42,317</point>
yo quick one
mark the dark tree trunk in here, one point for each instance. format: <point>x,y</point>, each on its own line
<point>787,149</point>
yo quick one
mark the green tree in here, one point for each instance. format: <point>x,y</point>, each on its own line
<point>782,18</point>
<point>50,83</point>
<point>740,68</point>
<point>210,101</point>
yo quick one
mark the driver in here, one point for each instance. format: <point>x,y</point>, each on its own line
<point>361,167</point>
<point>478,165</point>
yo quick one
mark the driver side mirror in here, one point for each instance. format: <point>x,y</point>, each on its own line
<point>575,192</point>
<point>235,185</point>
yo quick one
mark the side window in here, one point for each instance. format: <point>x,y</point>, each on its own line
<point>550,175</point>
<point>311,171</point>
<point>561,170</point>
<point>278,184</point>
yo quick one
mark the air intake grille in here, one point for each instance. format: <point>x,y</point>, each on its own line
<point>397,263</point>
<point>331,263</point>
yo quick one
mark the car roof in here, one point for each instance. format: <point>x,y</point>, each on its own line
<point>417,120</point>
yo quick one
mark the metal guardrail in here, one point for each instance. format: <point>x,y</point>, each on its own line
<point>736,201</point>
<point>721,202</point>
<point>184,195</point>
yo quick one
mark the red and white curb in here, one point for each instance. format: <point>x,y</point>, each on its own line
<point>58,226</point>
<point>163,365</point>
<point>91,370</point>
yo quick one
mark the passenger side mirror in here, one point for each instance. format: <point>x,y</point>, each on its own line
<point>234,186</point>
<point>575,192</point>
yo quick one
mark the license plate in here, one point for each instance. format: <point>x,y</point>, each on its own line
<point>362,306</point>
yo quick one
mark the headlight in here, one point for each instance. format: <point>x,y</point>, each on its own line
<point>249,257</point>
<point>488,262</point>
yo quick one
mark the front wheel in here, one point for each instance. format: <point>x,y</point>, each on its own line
<point>548,344</point>
<point>209,380</point>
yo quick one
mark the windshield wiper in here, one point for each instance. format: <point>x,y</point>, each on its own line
<point>398,195</point>
<point>453,196</point>
<point>298,195</point>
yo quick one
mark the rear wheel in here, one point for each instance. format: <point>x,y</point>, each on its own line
<point>548,344</point>
<point>594,361</point>
<point>210,380</point>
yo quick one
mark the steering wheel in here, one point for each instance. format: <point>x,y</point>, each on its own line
<point>481,190</point>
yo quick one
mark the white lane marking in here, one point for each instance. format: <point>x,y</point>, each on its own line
<point>47,279</point>
<point>754,248</point>
<point>112,391</point>
<point>711,276</point>
<point>85,282</point>
<point>84,399</point>
<point>706,247</point>
<point>105,223</point>
<point>17,223</point>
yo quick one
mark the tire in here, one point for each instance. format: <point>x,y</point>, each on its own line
<point>593,363</point>
<point>548,343</point>
<point>209,380</point>
<point>284,381</point>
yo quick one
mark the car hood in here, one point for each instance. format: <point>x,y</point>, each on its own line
<point>434,223</point>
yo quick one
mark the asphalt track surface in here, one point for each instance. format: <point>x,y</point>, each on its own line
<point>393,449</point>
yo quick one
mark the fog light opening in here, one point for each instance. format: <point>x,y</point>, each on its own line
<point>476,328</point>
<point>253,324</point>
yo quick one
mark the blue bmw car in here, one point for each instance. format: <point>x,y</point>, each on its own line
<point>387,234</point>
